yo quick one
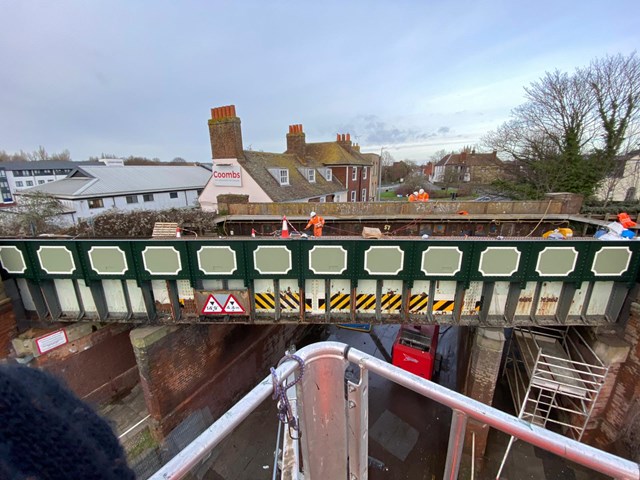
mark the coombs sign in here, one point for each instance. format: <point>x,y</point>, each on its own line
<point>227,175</point>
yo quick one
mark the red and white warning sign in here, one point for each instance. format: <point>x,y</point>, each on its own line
<point>233,306</point>
<point>221,304</point>
<point>212,306</point>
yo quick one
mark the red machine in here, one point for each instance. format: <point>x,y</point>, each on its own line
<point>414,349</point>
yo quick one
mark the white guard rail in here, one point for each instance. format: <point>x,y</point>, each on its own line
<point>325,414</point>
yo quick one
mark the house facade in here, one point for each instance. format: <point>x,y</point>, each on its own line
<point>305,172</point>
<point>468,167</point>
<point>624,184</point>
<point>92,190</point>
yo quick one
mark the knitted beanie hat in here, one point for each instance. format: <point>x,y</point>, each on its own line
<point>47,433</point>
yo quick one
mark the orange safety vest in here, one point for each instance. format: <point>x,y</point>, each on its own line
<point>423,197</point>
<point>413,198</point>
<point>318,223</point>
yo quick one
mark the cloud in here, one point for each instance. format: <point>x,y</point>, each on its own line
<point>369,129</point>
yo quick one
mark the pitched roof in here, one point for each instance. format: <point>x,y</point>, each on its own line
<point>470,159</point>
<point>332,153</point>
<point>257,165</point>
<point>93,181</point>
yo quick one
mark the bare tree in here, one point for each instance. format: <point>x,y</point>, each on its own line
<point>567,134</point>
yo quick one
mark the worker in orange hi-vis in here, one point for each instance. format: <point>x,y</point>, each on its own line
<point>318,222</point>
<point>413,197</point>
<point>423,196</point>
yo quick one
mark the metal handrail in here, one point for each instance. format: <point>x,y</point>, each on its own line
<point>462,407</point>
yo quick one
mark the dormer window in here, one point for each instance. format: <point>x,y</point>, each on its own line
<point>284,176</point>
<point>311,175</point>
<point>328,175</point>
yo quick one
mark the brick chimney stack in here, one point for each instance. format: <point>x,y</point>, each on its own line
<point>225,133</point>
<point>296,141</point>
<point>344,140</point>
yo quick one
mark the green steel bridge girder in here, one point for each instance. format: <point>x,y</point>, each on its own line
<point>354,260</point>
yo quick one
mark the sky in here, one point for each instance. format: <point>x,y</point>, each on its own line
<point>139,77</point>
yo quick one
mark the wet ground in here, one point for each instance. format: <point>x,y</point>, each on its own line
<point>408,434</point>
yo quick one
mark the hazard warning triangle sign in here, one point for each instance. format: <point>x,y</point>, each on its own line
<point>232,306</point>
<point>212,306</point>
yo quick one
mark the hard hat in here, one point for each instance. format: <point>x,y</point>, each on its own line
<point>422,190</point>
<point>415,193</point>
<point>312,214</point>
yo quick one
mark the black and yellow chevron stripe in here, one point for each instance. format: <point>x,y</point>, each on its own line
<point>391,301</point>
<point>443,306</point>
<point>418,303</point>
<point>365,301</point>
<point>339,301</point>
<point>288,301</point>
<point>291,301</point>
<point>265,301</point>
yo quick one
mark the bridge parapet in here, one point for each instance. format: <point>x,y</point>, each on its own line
<point>480,281</point>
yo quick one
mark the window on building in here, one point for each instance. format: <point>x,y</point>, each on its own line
<point>311,175</point>
<point>364,195</point>
<point>50,180</point>
<point>40,182</point>
<point>354,173</point>
<point>95,203</point>
<point>173,194</point>
<point>29,183</point>
<point>147,197</point>
<point>284,176</point>
<point>19,184</point>
<point>3,173</point>
<point>329,175</point>
<point>364,173</point>
<point>323,199</point>
<point>353,195</point>
<point>132,198</point>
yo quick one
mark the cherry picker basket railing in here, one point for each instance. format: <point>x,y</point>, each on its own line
<point>334,426</point>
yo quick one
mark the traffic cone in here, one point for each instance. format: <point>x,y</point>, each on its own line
<point>285,228</point>
<point>177,232</point>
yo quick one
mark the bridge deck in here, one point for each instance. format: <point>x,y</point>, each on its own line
<point>339,279</point>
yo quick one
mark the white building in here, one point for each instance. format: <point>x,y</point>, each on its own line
<point>92,190</point>
<point>21,175</point>
<point>623,185</point>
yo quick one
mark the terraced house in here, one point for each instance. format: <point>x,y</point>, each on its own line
<point>305,172</point>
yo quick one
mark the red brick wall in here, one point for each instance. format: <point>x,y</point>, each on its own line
<point>226,138</point>
<point>486,355</point>
<point>98,366</point>
<point>210,366</point>
<point>619,430</point>
<point>7,327</point>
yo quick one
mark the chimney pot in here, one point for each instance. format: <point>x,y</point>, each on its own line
<point>233,110</point>
<point>348,137</point>
<point>337,137</point>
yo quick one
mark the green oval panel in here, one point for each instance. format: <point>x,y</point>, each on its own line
<point>217,260</point>
<point>441,261</point>
<point>12,259</point>
<point>383,260</point>
<point>272,260</point>
<point>161,260</point>
<point>56,260</point>
<point>108,260</point>
<point>499,262</point>
<point>328,260</point>
<point>556,262</point>
<point>611,261</point>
